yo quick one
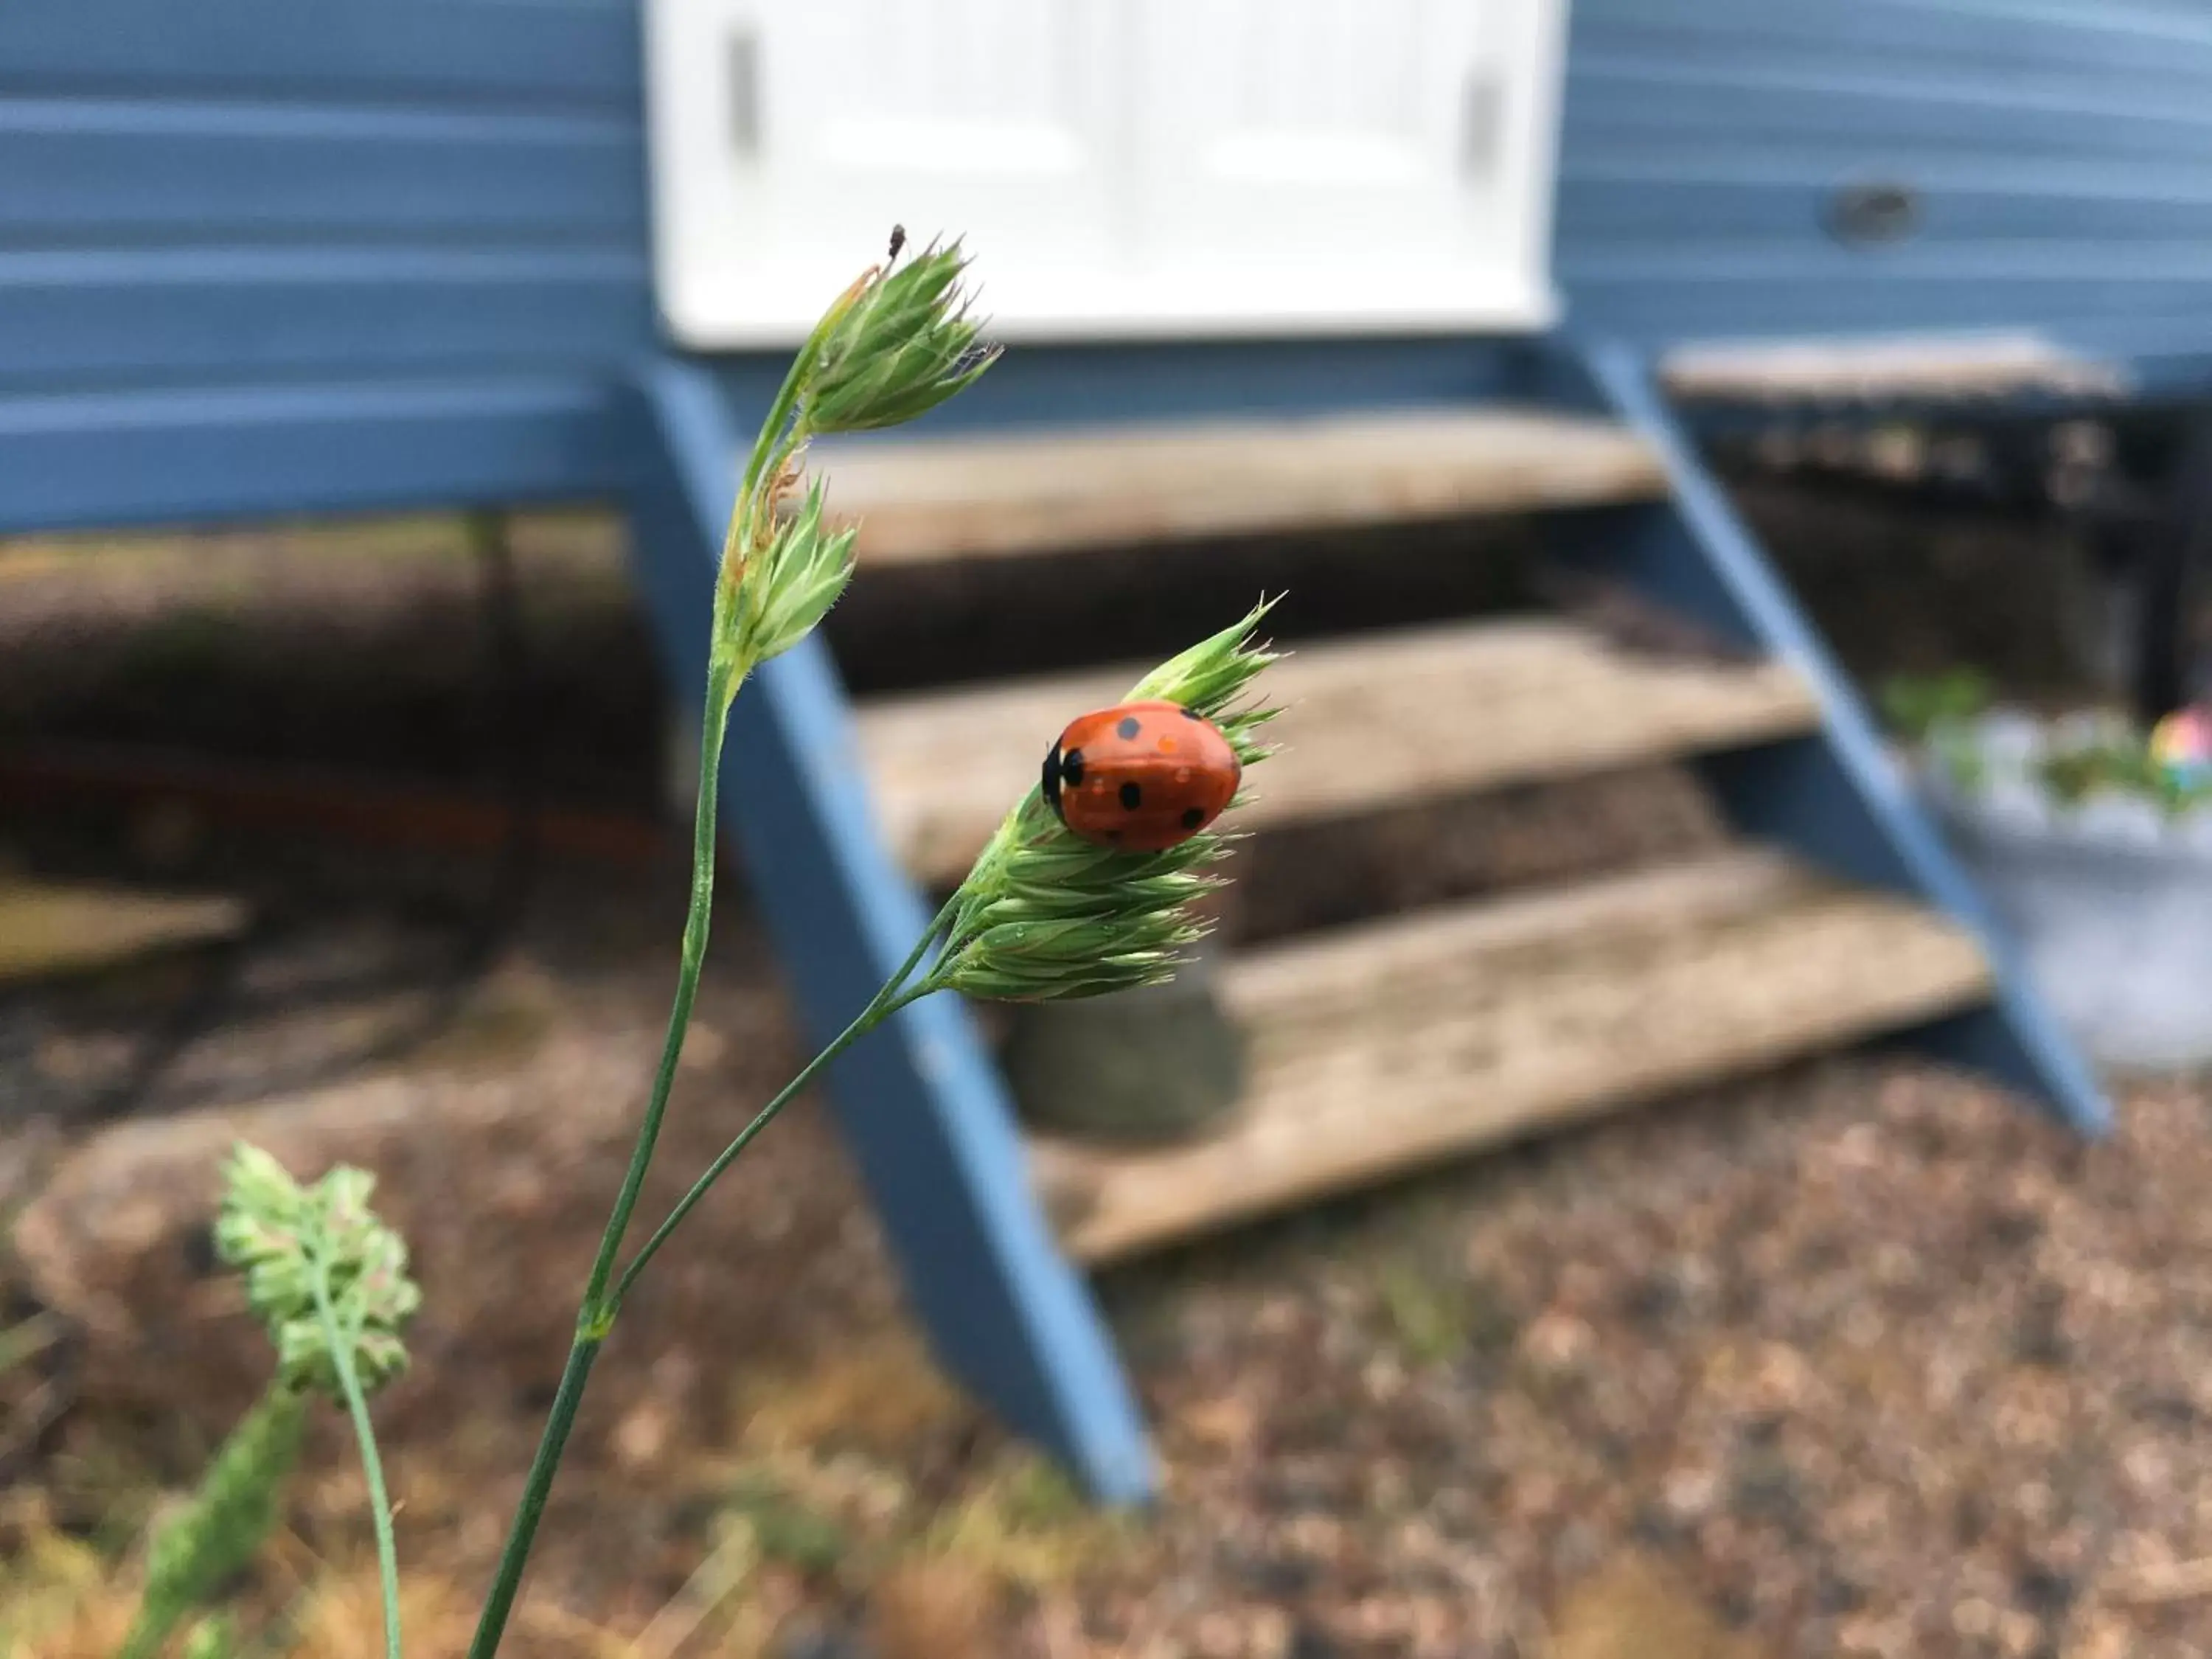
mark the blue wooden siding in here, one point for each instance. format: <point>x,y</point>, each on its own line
<point>213,315</point>
<point>288,256</point>
<point>2060,150</point>
<point>245,189</point>
<point>436,200</point>
<point>248,189</point>
<point>471,54</point>
<point>103,169</point>
<point>191,455</point>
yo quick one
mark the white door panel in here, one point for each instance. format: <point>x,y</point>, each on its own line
<point>1121,166</point>
<point>797,132</point>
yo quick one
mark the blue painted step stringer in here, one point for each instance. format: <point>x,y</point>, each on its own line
<point>1834,795</point>
<point>923,1110</point>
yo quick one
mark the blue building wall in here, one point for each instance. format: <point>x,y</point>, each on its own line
<point>2060,151</point>
<point>241,188</point>
<point>269,256</point>
<point>294,217</point>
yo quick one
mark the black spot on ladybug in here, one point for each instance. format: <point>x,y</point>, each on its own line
<point>1070,768</point>
<point>1128,728</point>
<point>1133,797</point>
<point>1193,816</point>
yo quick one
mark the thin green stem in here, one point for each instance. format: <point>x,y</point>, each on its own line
<point>536,1486</point>
<point>341,1343</point>
<point>696,921</point>
<point>595,1316</point>
<point>885,1004</point>
<point>904,971</point>
<point>740,595</point>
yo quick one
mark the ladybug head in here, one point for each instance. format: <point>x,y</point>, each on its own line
<point>1061,766</point>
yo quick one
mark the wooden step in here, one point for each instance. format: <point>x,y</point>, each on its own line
<point>51,929</point>
<point>1380,1048</point>
<point>1372,719</point>
<point>921,499</point>
<point>1883,369</point>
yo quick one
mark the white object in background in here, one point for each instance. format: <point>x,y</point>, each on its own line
<point>2118,934</point>
<point>2108,902</point>
<point>1124,166</point>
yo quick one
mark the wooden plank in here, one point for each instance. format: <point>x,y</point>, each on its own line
<point>2056,268</point>
<point>556,53</point>
<point>1672,112</point>
<point>2165,354</point>
<point>50,929</point>
<point>73,319</point>
<point>1679,99</point>
<point>937,498</point>
<point>1318,977</point>
<point>1626,199</point>
<point>1987,365</point>
<point>1372,719</point>
<point>2103,39</point>
<point>1391,1046</point>
<point>106,169</point>
<point>2023,67</point>
<point>1069,387</point>
<point>1630,296</point>
<point>181,457</point>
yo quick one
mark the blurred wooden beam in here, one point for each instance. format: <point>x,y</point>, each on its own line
<point>51,929</point>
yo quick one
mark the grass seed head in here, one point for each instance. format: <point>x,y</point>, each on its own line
<point>1047,915</point>
<point>899,342</point>
<point>894,345</point>
<point>803,573</point>
<point>282,1233</point>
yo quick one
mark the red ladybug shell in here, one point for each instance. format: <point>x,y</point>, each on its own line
<point>1140,776</point>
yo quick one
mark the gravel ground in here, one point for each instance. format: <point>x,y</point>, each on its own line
<point>1862,1357</point>
<point>1875,1361</point>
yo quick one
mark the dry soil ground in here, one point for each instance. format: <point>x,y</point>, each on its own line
<point>1862,1357</point>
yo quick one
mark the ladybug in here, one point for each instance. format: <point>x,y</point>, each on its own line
<point>1140,776</point>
